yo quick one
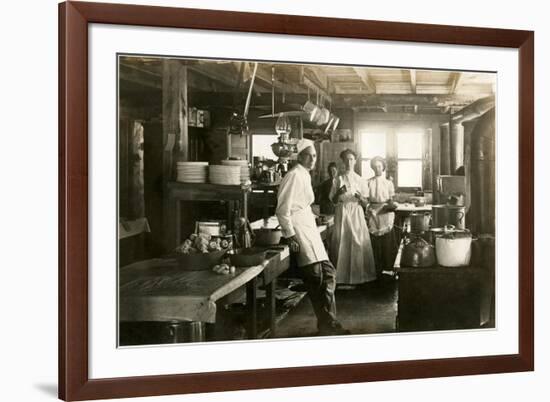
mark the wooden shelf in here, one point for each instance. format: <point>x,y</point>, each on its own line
<point>205,191</point>
<point>197,192</point>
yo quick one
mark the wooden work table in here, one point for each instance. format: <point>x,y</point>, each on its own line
<point>158,290</point>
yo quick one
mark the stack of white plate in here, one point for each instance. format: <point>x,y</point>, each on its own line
<point>226,175</point>
<point>243,164</point>
<point>192,172</point>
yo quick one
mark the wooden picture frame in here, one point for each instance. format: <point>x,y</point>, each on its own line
<point>74,381</point>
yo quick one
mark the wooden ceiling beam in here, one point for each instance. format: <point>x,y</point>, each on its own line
<point>454,82</point>
<point>345,100</point>
<point>139,76</point>
<point>202,77</point>
<point>366,79</point>
<point>318,76</point>
<point>316,89</point>
<point>412,74</point>
<point>213,73</point>
<point>295,100</point>
<point>263,75</point>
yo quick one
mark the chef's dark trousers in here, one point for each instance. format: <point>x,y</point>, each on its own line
<point>320,282</point>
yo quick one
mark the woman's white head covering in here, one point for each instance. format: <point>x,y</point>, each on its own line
<point>304,144</point>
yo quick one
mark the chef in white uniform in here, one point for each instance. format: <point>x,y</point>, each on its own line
<point>298,225</point>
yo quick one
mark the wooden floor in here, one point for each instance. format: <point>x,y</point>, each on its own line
<point>367,309</point>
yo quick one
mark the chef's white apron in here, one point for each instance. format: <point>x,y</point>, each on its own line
<point>312,249</point>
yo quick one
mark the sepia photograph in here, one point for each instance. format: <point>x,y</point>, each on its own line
<point>264,199</point>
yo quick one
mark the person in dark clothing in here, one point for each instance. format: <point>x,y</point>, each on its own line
<point>323,190</point>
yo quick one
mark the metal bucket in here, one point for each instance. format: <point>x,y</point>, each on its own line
<point>195,331</point>
<point>420,222</point>
<point>443,215</point>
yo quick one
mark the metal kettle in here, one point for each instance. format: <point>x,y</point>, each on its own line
<point>417,252</point>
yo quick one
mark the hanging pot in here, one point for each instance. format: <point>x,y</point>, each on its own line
<point>312,110</point>
<point>453,247</point>
<point>335,123</point>
<point>323,118</point>
<point>417,253</point>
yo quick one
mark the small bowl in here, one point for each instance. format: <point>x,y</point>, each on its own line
<point>247,257</point>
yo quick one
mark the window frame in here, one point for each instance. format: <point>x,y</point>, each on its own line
<point>258,134</point>
<point>392,158</point>
<point>360,148</point>
<point>421,159</point>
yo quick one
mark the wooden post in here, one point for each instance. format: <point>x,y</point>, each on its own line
<point>175,137</point>
<point>174,107</point>
<point>271,306</point>
<point>183,107</point>
<point>252,308</point>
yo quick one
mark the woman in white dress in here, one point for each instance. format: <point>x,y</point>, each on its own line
<point>350,248</point>
<point>381,216</point>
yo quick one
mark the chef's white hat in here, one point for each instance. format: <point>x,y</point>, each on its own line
<point>303,144</point>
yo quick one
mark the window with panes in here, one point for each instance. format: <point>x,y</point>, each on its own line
<point>404,153</point>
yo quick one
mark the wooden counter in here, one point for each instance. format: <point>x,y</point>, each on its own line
<point>438,298</point>
<point>158,290</point>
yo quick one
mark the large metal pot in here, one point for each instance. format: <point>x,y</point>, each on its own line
<point>453,247</point>
<point>267,236</point>
<point>420,222</point>
<point>417,252</point>
<point>443,215</point>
